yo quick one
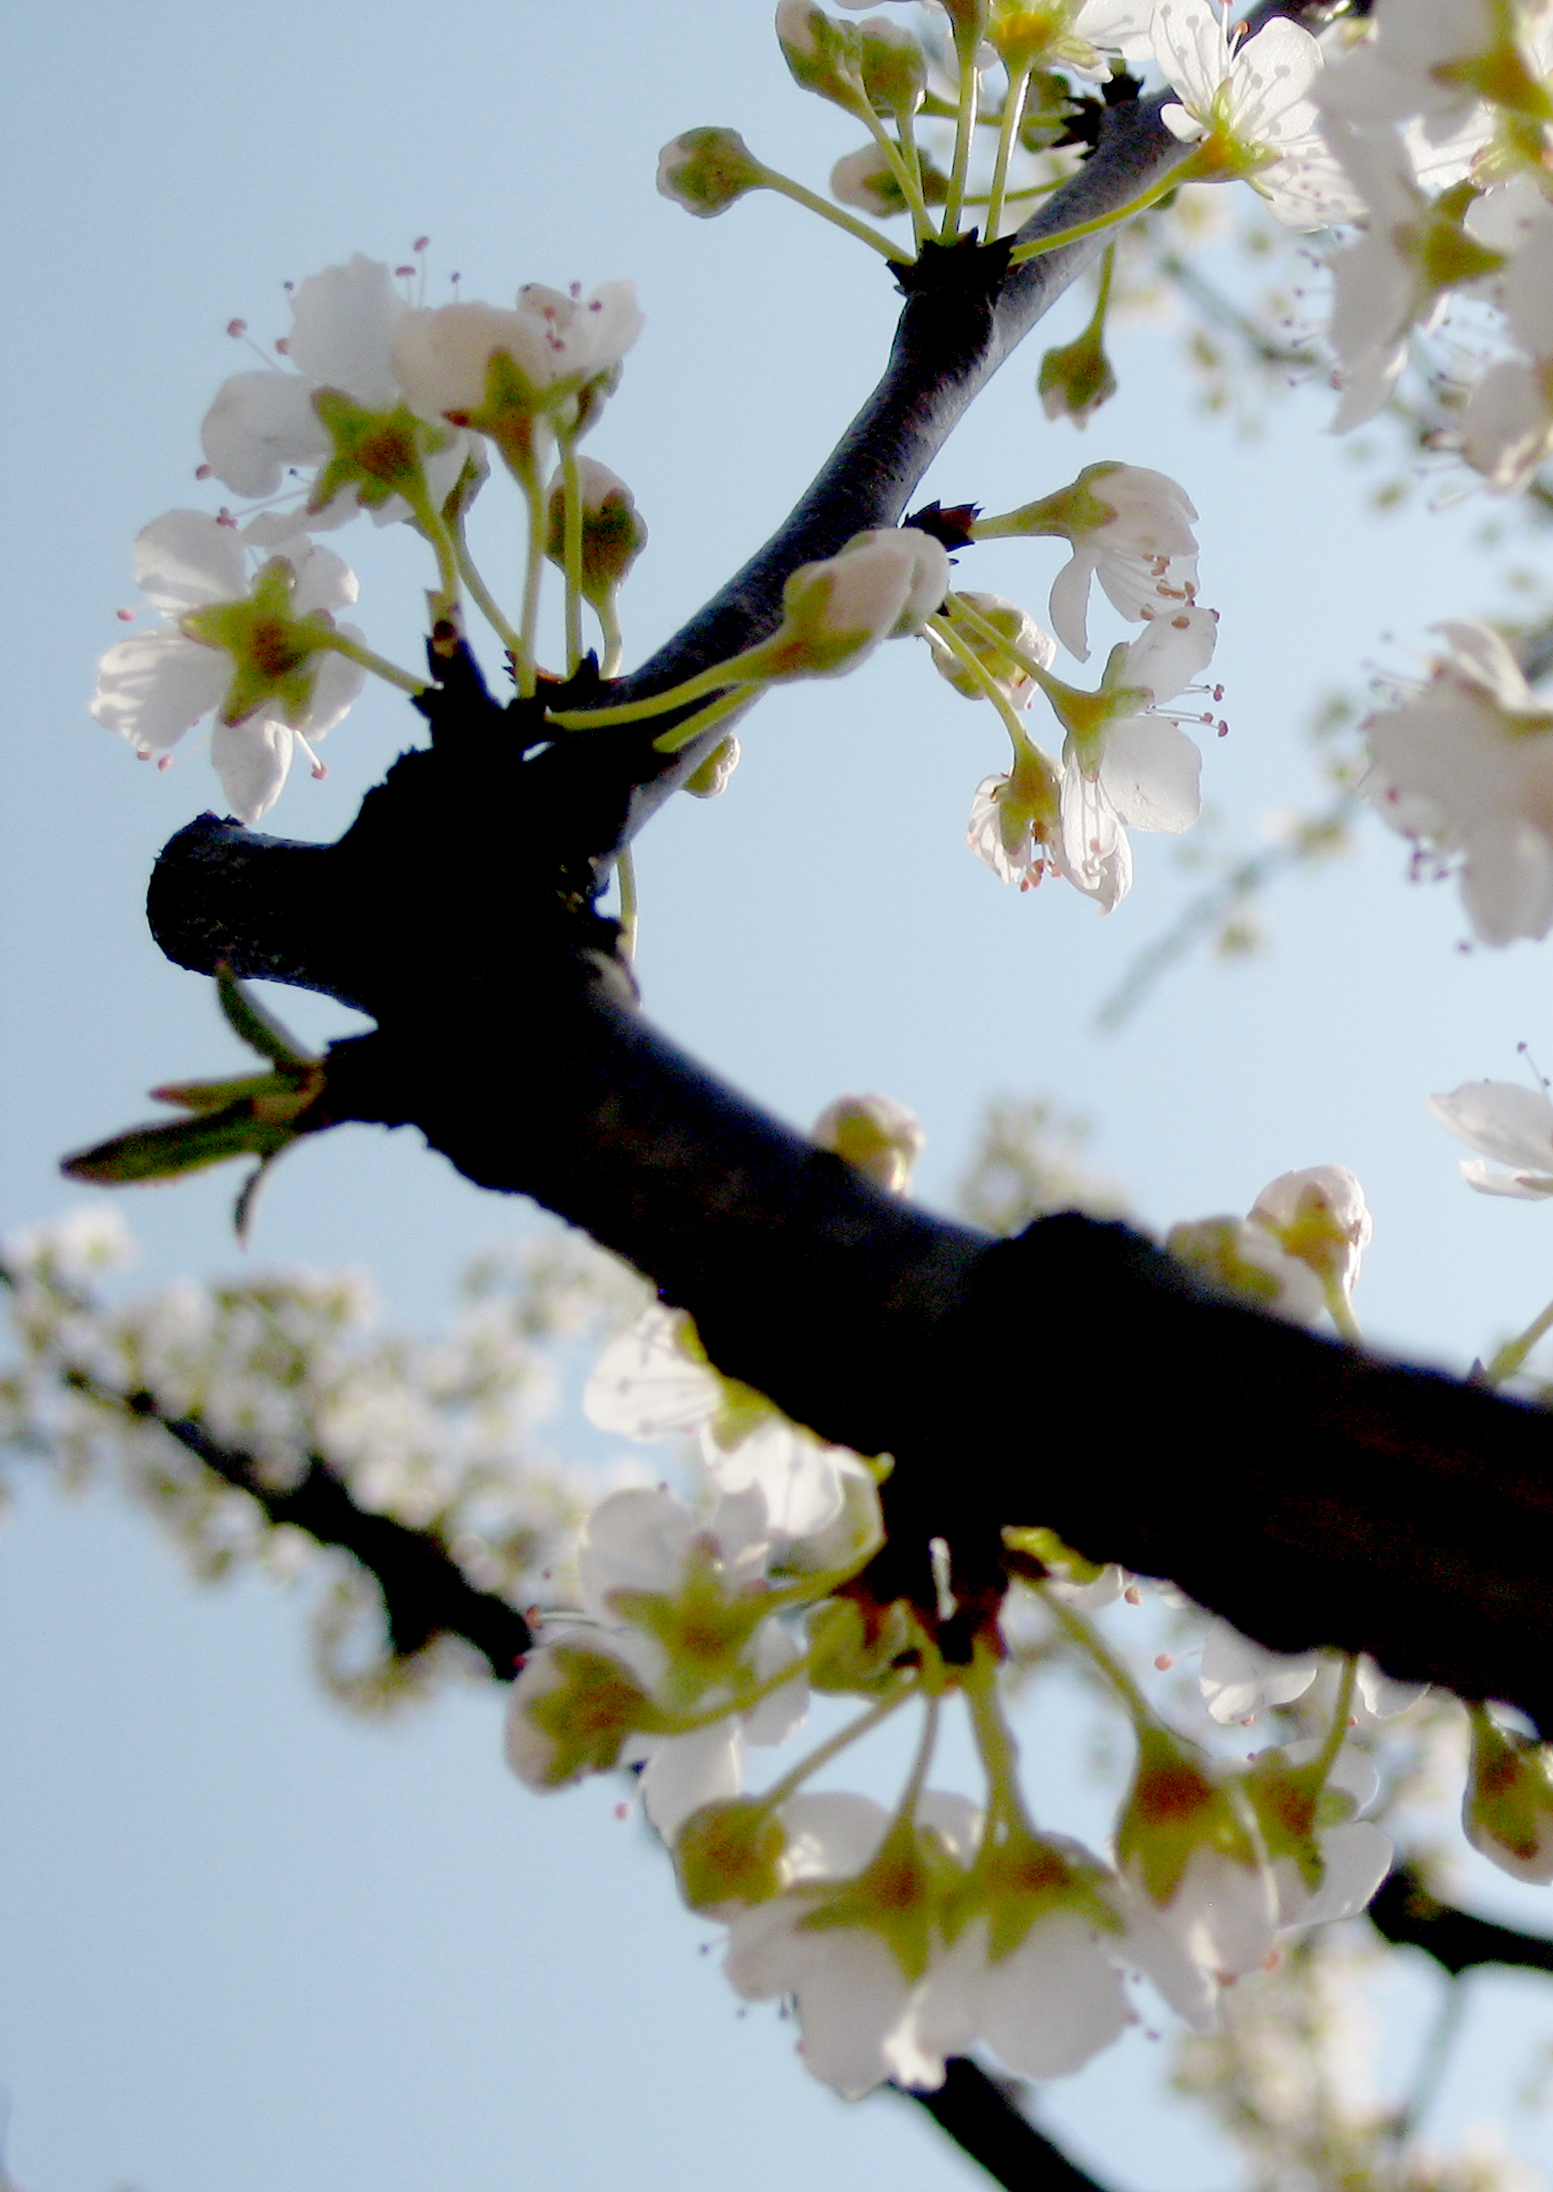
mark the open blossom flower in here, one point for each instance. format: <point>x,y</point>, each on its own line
<point>1188,1842</point>
<point>336,410</point>
<point>1244,104</point>
<point>1326,1863</point>
<point>654,1381</point>
<point>1465,768</point>
<point>1399,273</point>
<point>256,651</point>
<point>1241,1680</point>
<point>1439,59</point>
<point>1130,527</point>
<point>1511,1124</point>
<point>1137,769</point>
<point>481,366</point>
<point>1507,426</point>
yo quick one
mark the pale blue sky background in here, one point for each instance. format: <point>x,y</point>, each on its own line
<point>244,1943</point>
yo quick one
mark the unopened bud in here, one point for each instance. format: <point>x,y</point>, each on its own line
<point>705,170</point>
<point>874,1133</point>
<point>1014,625</point>
<point>1075,380</point>
<point>710,781</point>
<point>866,180</point>
<point>883,585</point>
<point>892,64</point>
<point>823,56</point>
<point>1319,1217</point>
<point>1246,1262</point>
<point>613,534</point>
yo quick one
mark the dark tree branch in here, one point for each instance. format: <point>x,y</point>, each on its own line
<point>1309,1494</point>
<point>976,2112</point>
<point>425,1593</point>
<point>1407,1915</point>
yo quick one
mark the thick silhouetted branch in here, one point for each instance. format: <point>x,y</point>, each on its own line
<point>1407,1915</point>
<point>976,2112</point>
<point>425,1593</point>
<point>1075,1378</point>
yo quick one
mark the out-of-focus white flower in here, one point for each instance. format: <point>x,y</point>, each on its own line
<point>258,652</point>
<point>1245,1261</point>
<point>1439,59</point>
<point>1245,106</point>
<point>1241,1680</point>
<point>1188,1843</point>
<point>1511,1124</point>
<point>1507,426</point>
<point>1320,1218</point>
<point>1326,1863</point>
<point>262,424</point>
<point>654,1381</point>
<point>1398,275</point>
<point>1465,768</point>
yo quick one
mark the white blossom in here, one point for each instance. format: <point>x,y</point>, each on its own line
<point>1135,536</point>
<point>1465,768</point>
<point>1241,1679</point>
<point>558,346</point>
<point>274,682</point>
<point>1511,1124</point>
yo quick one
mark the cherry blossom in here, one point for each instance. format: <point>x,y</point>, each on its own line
<point>1439,59</point>
<point>1513,1125</point>
<point>336,410</point>
<point>1245,106</point>
<point>1507,427</point>
<point>1241,1680</point>
<point>1320,1218</point>
<point>257,653</point>
<point>1465,768</point>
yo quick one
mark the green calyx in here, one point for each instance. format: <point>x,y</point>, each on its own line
<point>730,1852</point>
<point>1019,1879</point>
<point>852,1654</point>
<point>275,654</point>
<point>1069,513</point>
<point>1509,1799</point>
<point>702,1629</point>
<point>376,452</point>
<point>896,1895</point>
<point>587,1715</point>
<point>1173,1810</point>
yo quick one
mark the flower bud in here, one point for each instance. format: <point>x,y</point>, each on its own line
<point>882,585</point>
<point>1507,1811</point>
<point>1076,379</point>
<point>729,1854</point>
<point>710,781</point>
<point>613,535</point>
<point>569,1713</point>
<point>866,180</point>
<point>874,1133</point>
<point>705,170</point>
<point>1020,630</point>
<point>823,56</point>
<point>1318,1217</point>
<point>848,1653</point>
<point>892,64</point>
<point>1246,1262</point>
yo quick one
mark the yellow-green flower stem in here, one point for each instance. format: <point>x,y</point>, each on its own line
<point>682,734</point>
<point>1096,326</point>
<point>1024,746</point>
<point>489,607</point>
<point>443,545</point>
<point>1082,1632</point>
<point>614,645</point>
<point>625,877</point>
<point>1514,1352</point>
<point>377,664</point>
<point>686,1723</point>
<point>1342,1712</point>
<point>916,1780</point>
<point>524,661</point>
<point>773,179</point>
<point>1340,1310</point>
<point>1029,190</point>
<point>1185,173</point>
<point>842,1740</point>
<point>720,675</point>
<point>995,1744</point>
<point>965,44</point>
<point>1013,107</point>
<point>906,123</point>
<point>907,174</point>
<point>1080,713</point>
<point>571,550</point>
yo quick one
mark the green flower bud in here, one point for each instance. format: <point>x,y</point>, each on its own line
<point>824,56</point>
<point>710,781</point>
<point>893,66</point>
<point>865,179</point>
<point>613,534</point>
<point>1075,380</point>
<point>705,170</point>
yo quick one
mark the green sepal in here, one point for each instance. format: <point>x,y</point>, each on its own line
<point>376,452</point>
<point>275,654</point>
<point>729,1852</point>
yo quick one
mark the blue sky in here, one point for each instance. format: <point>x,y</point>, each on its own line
<point>247,1942</point>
